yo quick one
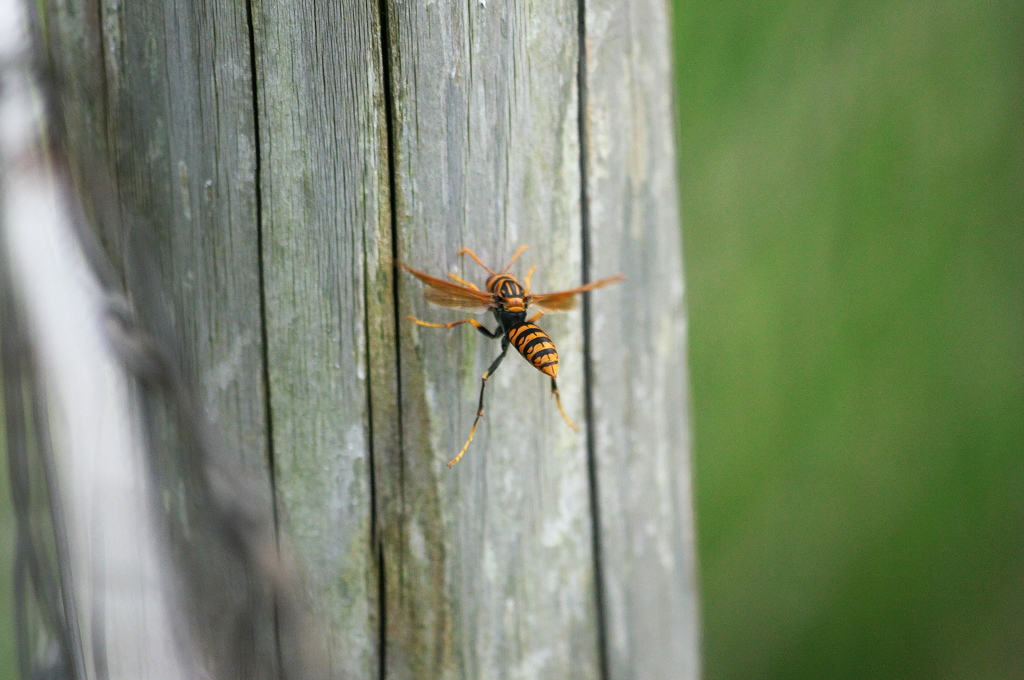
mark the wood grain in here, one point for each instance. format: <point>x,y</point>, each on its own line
<point>180,132</point>
<point>183,135</point>
<point>327,261</point>
<point>166,86</point>
<point>641,435</point>
<point>488,566</point>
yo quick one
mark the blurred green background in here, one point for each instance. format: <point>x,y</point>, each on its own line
<point>853,200</point>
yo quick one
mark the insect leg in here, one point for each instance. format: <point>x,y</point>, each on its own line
<point>558,400</point>
<point>496,333</point>
<point>469,252</point>
<point>467,284</point>
<point>476,324</point>
<point>533,319</point>
<point>480,407</point>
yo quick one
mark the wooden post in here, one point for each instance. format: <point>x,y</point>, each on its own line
<point>639,394</point>
<point>278,158</point>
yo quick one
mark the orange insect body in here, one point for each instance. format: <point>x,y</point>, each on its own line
<point>508,301</point>
<point>536,347</point>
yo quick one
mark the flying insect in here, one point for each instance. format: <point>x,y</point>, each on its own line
<point>508,301</point>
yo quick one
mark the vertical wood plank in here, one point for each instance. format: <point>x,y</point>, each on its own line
<point>182,129</point>
<point>488,566</point>
<point>641,435</point>
<point>181,133</point>
<point>327,261</point>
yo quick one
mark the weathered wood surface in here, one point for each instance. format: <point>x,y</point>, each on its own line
<point>489,566</point>
<point>180,126</point>
<point>640,430</point>
<point>260,144</point>
<point>327,262</point>
<point>180,117</point>
<point>166,88</point>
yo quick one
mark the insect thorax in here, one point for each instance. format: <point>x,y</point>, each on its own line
<point>504,285</point>
<point>509,295</point>
<point>509,320</point>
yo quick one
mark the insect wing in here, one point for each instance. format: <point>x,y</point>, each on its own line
<point>566,300</point>
<point>447,294</point>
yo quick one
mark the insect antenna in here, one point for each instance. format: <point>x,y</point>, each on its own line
<point>514,258</point>
<point>467,251</point>
<point>526,282</point>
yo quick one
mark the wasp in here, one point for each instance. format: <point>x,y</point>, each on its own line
<point>508,300</point>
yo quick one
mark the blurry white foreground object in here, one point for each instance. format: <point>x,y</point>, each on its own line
<point>118,587</point>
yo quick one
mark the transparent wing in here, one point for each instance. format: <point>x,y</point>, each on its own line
<point>448,294</point>
<point>565,300</point>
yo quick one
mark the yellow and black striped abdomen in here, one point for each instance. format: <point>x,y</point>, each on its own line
<point>536,347</point>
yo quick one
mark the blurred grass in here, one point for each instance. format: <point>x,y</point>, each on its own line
<point>853,198</point>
